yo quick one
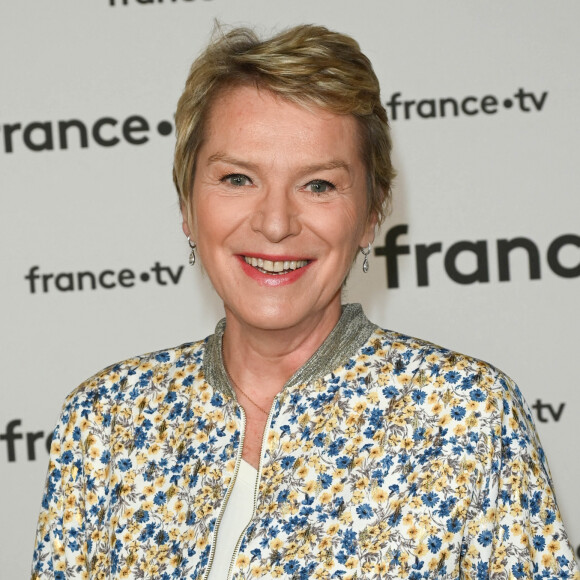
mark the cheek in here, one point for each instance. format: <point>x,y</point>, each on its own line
<point>343,229</point>
<point>203,217</point>
<point>216,220</point>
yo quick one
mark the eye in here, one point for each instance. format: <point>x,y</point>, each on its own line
<point>236,179</point>
<point>319,186</point>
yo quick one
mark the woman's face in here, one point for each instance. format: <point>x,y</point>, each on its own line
<point>278,208</point>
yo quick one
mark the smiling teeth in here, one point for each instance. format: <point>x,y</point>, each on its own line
<point>279,267</point>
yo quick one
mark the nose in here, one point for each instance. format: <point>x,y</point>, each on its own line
<point>276,216</point>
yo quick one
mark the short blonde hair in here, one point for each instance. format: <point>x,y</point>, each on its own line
<point>307,65</point>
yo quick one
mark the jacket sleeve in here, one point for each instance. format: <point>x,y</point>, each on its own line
<point>60,551</point>
<point>515,529</point>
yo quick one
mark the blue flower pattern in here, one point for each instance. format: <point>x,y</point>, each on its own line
<point>408,461</point>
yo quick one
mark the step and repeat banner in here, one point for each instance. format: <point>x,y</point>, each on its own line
<point>480,254</point>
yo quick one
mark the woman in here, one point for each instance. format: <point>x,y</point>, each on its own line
<point>299,440</point>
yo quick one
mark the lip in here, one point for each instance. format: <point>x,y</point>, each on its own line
<point>274,258</point>
<point>273,280</point>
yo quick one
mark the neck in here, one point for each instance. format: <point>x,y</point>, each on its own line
<point>262,360</point>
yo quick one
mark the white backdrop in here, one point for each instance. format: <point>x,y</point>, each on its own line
<point>95,196</point>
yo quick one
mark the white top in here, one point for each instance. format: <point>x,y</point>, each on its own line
<point>236,516</point>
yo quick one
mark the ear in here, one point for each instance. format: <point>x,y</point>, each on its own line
<point>187,221</point>
<point>368,236</point>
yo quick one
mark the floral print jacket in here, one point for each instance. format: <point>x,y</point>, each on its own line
<point>384,457</point>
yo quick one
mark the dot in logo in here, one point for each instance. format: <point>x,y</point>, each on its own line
<point>508,103</point>
<point>145,277</point>
<point>164,128</point>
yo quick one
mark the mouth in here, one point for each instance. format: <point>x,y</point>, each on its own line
<point>275,268</point>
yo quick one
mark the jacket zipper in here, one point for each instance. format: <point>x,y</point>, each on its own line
<point>228,493</point>
<point>256,488</point>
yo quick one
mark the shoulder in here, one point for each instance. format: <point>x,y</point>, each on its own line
<point>137,376</point>
<point>445,374</point>
<point>426,355</point>
<point>459,393</point>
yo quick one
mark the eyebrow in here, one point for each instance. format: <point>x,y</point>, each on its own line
<point>332,164</point>
<point>222,157</point>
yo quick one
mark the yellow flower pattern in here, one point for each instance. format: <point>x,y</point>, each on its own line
<point>406,461</point>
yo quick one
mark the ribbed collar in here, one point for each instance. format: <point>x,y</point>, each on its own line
<point>350,333</point>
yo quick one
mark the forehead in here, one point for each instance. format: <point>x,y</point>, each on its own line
<point>256,121</point>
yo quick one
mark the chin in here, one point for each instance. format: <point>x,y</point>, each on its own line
<point>277,316</point>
